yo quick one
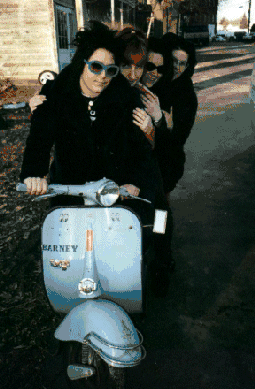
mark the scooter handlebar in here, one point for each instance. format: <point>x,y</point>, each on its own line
<point>74,190</point>
<point>89,190</point>
<point>95,192</point>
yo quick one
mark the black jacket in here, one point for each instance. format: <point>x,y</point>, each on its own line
<point>112,146</point>
<point>178,95</point>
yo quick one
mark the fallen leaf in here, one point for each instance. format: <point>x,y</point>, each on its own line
<point>18,208</point>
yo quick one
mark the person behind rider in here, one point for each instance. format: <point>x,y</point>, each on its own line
<point>135,59</point>
<point>168,76</point>
<point>132,52</point>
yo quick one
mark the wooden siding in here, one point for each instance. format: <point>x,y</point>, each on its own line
<point>27,38</point>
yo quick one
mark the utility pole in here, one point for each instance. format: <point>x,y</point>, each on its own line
<point>79,14</point>
<point>249,16</point>
<point>113,13</point>
<point>121,15</point>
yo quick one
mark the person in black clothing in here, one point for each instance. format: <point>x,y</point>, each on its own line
<point>168,76</point>
<point>91,143</point>
<point>168,99</point>
<point>132,56</point>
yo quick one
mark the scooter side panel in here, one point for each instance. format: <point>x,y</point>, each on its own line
<point>116,250</point>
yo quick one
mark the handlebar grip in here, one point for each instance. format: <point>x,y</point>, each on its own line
<point>21,187</point>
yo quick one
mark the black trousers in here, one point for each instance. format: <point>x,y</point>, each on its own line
<point>163,242</point>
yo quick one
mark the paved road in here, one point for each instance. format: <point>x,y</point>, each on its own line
<point>202,335</point>
<point>223,124</point>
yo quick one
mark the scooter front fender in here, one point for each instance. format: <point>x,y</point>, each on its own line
<point>107,328</point>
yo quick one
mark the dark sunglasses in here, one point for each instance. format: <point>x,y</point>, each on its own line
<point>150,66</point>
<point>97,68</point>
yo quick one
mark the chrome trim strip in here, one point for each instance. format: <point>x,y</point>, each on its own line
<point>117,362</point>
<point>116,346</point>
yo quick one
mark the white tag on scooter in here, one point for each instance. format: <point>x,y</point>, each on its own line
<point>160,221</point>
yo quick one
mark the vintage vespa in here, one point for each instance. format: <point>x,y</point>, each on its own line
<point>93,272</point>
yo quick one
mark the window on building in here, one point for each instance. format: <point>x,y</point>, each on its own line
<point>73,29</point>
<point>62,29</point>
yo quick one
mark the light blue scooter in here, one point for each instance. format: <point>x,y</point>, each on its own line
<point>92,266</point>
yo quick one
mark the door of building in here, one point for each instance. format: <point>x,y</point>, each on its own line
<point>66,28</point>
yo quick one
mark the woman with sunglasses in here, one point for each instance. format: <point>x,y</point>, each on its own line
<point>89,121</point>
<point>88,116</point>
<point>168,101</point>
<point>168,75</point>
<point>132,56</point>
<point>132,52</point>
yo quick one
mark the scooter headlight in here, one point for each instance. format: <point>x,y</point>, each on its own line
<point>108,194</point>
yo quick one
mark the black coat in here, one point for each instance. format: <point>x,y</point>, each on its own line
<point>178,95</point>
<point>112,146</point>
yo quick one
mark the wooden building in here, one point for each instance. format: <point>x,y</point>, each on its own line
<point>36,35</point>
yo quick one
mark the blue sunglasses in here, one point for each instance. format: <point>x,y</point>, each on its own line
<point>97,68</point>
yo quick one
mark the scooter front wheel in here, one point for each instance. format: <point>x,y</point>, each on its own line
<point>79,356</point>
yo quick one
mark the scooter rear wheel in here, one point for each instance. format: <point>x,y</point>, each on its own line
<point>105,376</point>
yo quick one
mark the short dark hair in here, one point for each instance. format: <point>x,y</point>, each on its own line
<point>89,41</point>
<point>95,36</point>
<point>131,42</point>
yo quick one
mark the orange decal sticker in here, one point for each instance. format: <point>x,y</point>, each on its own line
<point>89,240</point>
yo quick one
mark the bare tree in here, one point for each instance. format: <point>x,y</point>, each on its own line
<point>244,22</point>
<point>224,22</point>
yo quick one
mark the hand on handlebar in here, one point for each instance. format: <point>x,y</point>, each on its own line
<point>36,185</point>
<point>133,190</point>
<point>128,191</point>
